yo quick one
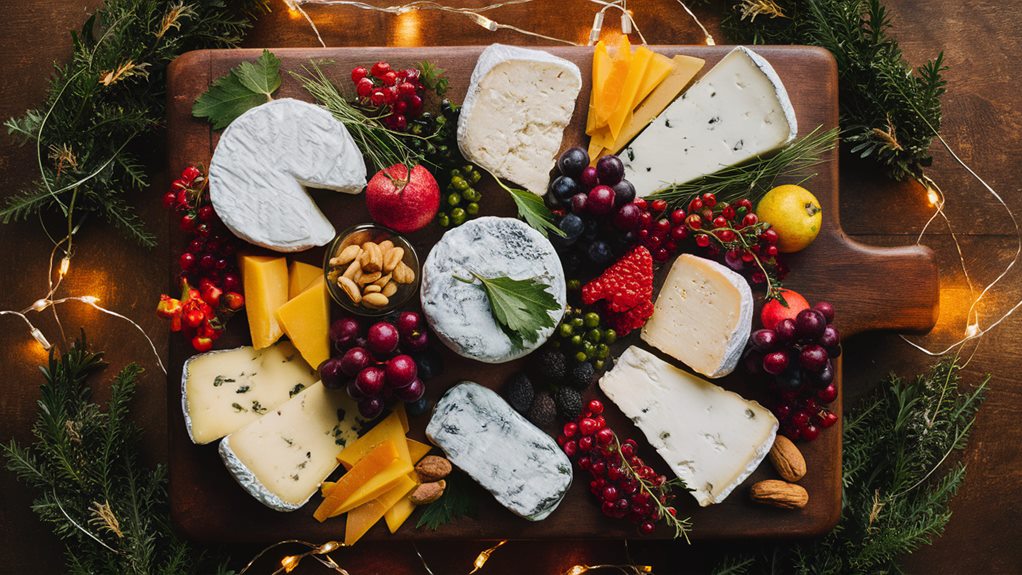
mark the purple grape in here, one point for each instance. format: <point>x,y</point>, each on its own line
<point>775,362</point>
<point>411,392</point>
<point>609,170</point>
<point>401,371</point>
<point>809,324</point>
<point>624,193</point>
<point>331,372</point>
<point>601,200</point>
<point>754,363</point>
<point>353,391</point>
<point>382,338</point>
<point>764,340</point>
<point>588,178</point>
<point>627,217</point>
<point>344,331</point>
<point>830,337</point>
<point>785,331</point>
<point>813,358</point>
<point>563,188</point>
<point>370,407</point>
<point>826,309</point>
<point>826,375</point>
<point>354,360</point>
<point>408,322</point>
<point>417,342</point>
<point>573,161</point>
<point>579,202</point>
<point>733,259</point>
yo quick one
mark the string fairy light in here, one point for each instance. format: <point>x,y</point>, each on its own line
<point>626,569</point>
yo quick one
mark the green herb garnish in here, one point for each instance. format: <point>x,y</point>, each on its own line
<point>246,86</point>
<point>521,307</point>
<point>456,502</point>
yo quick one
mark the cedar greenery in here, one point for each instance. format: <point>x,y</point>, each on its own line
<point>890,113</point>
<point>108,96</point>
<point>108,508</point>
<point>896,475</point>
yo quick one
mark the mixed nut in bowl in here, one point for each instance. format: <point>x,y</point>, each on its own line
<point>371,270</point>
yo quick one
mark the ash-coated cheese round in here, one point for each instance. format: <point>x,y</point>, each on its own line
<point>262,163</point>
<point>459,312</point>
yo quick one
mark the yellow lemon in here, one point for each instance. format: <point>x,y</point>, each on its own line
<point>794,213</point>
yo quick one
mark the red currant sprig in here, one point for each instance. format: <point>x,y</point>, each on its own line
<point>399,92</point>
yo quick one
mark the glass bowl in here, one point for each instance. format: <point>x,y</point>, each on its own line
<point>358,235</point>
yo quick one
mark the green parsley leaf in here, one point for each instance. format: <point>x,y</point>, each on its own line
<point>246,86</point>
<point>521,307</point>
<point>532,209</point>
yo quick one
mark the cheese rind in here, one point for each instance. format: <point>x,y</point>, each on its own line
<point>224,390</point>
<point>282,457</point>
<point>262,163</point>
<point>513,117</point>
<point>735,112</point>
<point>702,316</point>
<point>711,438</point>
<point>483,436</point>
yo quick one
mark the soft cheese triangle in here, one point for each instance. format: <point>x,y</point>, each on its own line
<point>513,117</point>
<point>483,436</point>
<point>460,312</point>
<point>262,163</point>
<point>738,110</point>
<point>702,316</point>
<point>712,438</point>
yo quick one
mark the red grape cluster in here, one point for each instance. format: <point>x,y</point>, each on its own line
<point>798,353</point>
<point>626,487</point>
<point>207,262</point>
<point>375,366</point>
<point>400,92</point>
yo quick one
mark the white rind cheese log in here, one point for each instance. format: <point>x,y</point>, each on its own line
<point>219,388</point>
<point>512,120</point>
<point>262,163</point>
<point>711,438</point>
<point>282,457</point>
<point>702,316</point>
<point>483,436</point>
<point>459,312</point>
<point>738,110</point>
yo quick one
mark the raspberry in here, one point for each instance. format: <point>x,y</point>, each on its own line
<point>624,323</point>
<point>626,288</point>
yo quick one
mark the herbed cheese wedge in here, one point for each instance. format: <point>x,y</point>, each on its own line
<point>710,437</point>
<point>702,316</point>
<point>224,390</point>
<point>282,457</point>
<point>512,120</point>
<point>483,436</point>
<point>262,163</point>
<point>735,112</point>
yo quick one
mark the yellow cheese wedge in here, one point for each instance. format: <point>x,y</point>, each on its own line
<point>306,321</point>
<point>402,415</point>
<point>362,518</point>
<point>390,429</point>
<point>265,281</point>
<point>373,487</point>
<point>601,67</point>
<point>657,70</point>
<point>300,276</point>
<point>610,96</point>
<point>417,450</point>
<point>633,80</point>
<point>399,513</point>
<point>381,457</point>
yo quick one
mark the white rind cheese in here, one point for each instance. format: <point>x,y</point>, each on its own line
<point>711,438</point>
<point>483,436</point>
<point>735,112</point>
<point>459,312</point>
<point>262,163</point>
<point>224,390</point>
<point>512,120</point>
<point>702,316</point>
<point>283,457</point>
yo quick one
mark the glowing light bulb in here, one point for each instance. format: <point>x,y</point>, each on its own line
<point>40,304</point>
<point>90,299</point>
<point>972,330</point>
<point>38,336</point>
<point>932,197</point>
<point>289,563</point>
<point>65,265</point>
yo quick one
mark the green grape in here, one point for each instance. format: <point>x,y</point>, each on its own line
<point>581,357</point>
<point>460,184</point>
<point>565,330</point>
<point>576,340</point>
<point>594,336</point>
<point>455,173</point>
<point>472,208</point>
<point>588,347</point>
<point>470,194</point>
<point>610,336</point>
<point>443,219</point>
<point>457,216</point>
<point>476,176</point>
<point>598,364</point>
<point>454,199</point>
<point>574,284</point>
<point>592,319</point>
<point>577,322</point>
<point>602,351</point>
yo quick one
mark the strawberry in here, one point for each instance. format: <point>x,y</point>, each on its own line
<point>626,290</point>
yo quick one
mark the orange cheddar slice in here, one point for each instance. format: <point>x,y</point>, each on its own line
<point>601,67</point>
<point>610,96</point>
<point>399,513</point>
<point>381,457</point>
<point>390,429</point>
<point>632,82</point>
<point>265,281</point>
<point>656,71</point>
<point>374,487</point>
<point>306,321</point>
<point>417,450</point>
<point>362,518</point>
<point>403,415</point>
<point>300,276</point>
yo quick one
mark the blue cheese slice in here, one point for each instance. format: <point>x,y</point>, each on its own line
<point>513,117</point>
<point>519,464</point>
<point>702,316</point>
<point>735,112</point>
<point>262,163</point>
<point>224,390</point>
<point>282,457</point>
<point>711,438</point>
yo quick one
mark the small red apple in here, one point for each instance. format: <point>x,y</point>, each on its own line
<point>401,201</point>
<point>773,311</point>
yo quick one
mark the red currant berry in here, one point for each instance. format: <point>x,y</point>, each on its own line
<point>190,174</point>
<point>358,72</point>
<point>800,418</point>
<point>584,463</point>
<point>406,89</point>
<point>187,260</point>
<point>771,251</point>
<point>608,508</point>
<point>709,200</point>
<point>414,105</point>
<point>745,203</point>
<point>809,432</point>
<point>169,200</point>
<point>389,78</point>
<point>728,212</point>
<point>679,233</point>
<point>663,225</point>
<point>206,213</point>
<point>658,206</point>
<point>400,122</point>
<point>599,468</point>
<point>726,236</point>
<point>641,202</point>
<point>770,235</point>
<point>702,240</point>
<point>570,448</point>
<point>570,429</point>
<point>600,422</point>
<point>749,220</point>
<point>604,436</point>
<point>671,246</point>
<point>379,69</point>
<point>595,407</point>
<point>364,88</point>
<point>695,205</point>
<point>827,394</point>
<point>378,97</point>
<point>586,443</point>
<point>828,419</point>
<point>677,216</point>
<point>188,222</point>
<point>661,254</point>
<point>694,222</point>
<point>587,426</point>
<point>719,222</point>
<point>627,450</point>
<point>645,220</point>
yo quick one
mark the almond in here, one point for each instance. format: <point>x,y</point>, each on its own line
<point>393,258</point>
<point>372,257</point>
<point>779,494</point>
<point>787,459</point>
<point>347,255</point>
<point>376,300</point>
<point>433,468</point>
<point>386,245</point>
<point>368,278</point>
<point>372,288</point>
<point>403,274</point>
<point>350,288</point>
<point>384,280</point>
<point>390,289</point>
<point>353,267</point>
<point>427,492</point>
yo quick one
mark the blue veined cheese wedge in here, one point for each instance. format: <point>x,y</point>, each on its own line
<point>735,112</point>
<point>482,435</point>
<point>711,438</point>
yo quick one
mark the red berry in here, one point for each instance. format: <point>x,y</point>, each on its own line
<point>679,233</point>
<point>677,216</point>
<point>827,394</point>
<point>358,72</point>
<point>584,463</point>
<point>728,212</point>
<point>726,236</point>
<point>604,436</point>
<point>570,448</point>
<point>662,225</point>
<point>364,88</point>
<point>775,362</point>
<point>600,422</point>
<point>570,429</point>
<point>745,203</point>
<point>719,222</point>
<point>202,344</point>
<point>658,206</point>
<point>641,202</point>
<point>406,89</point>
<point>809,432</point>
<point>379,69</point>
<point>596,407</point>
<point>206,213</point>
<point>702,240</point>
<point>609,493</point>
<point>190,173</point>
<point>378,97</point>
<point>389,78</point>
<point>828,419</point>
<point>169,200</point>
<point>586,443</point>
<point>587,426</point>
<point>709,200</point>
<point>695,205</point>
<point>694,222</point>
<point>187,260</point>
<point>400,122</point>
<point>770,235</point>
<point>749,220</point>
<point>771,251</point>
<point>800,418</point>
<point>188,222</point>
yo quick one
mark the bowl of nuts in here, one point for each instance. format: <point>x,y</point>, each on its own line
<point>371,270</point>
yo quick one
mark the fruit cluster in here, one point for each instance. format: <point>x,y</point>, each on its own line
<point>551,386</point>
<point>386,361</point>
<point>460,201</point>
<point>797,352</point>
<point>624,485</point>
<point>435,136</point>
<point>207,262</point>
<point>399,93</point>
<point>583,337</point>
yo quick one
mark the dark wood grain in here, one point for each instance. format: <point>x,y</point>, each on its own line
<point>981,41</point>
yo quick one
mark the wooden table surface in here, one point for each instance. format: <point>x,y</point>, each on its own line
<point>982,121</point>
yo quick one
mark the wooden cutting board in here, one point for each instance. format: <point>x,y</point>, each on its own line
<point>871,288</point>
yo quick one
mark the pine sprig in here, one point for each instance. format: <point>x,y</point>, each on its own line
<point>111,92</point>
<point>110,511</point>
<point>890,113</point>
<point>897,479</point>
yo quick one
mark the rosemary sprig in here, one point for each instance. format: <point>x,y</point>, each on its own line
<point>755,177</point>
